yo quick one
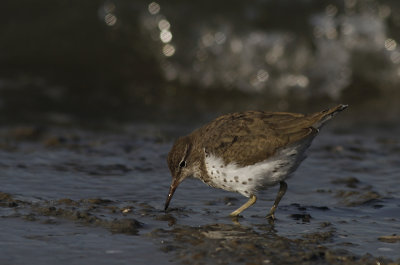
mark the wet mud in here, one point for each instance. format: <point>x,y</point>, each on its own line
<point>112,184</point>
<point>88,212</point>
<point>236,244</point>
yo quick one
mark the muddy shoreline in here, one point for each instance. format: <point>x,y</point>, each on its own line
<point>107,176</point>
<point>213,243</point>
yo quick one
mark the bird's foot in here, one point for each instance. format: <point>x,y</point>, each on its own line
<point>235,219</point>
<point>270,217</point>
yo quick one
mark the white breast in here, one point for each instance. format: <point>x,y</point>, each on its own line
<point>247,180</point>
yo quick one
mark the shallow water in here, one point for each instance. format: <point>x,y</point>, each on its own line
<point>98,197</point>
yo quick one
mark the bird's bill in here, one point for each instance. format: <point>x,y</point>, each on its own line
<point>172,188</point>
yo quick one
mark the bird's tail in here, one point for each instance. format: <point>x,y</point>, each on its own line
<point>325,115</point>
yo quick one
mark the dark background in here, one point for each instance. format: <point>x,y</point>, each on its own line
<point>104,62</point>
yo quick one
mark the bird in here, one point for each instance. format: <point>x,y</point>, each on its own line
<point>246,152</point>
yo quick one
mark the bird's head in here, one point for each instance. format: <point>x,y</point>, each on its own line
<point>180,164</point>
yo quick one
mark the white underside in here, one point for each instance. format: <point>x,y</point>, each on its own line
<point>247,180</point>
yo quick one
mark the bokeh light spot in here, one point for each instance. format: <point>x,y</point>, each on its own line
<point>262,75</point>
<point>163,24</point>
<point>165,36</point>
<point>395,57</point>
<point>207,39</point>
<point>168,50</point>
<point>292,80</point>
<point>110,19</point>
<point>390,44</point>
<point>274,54</point>
<point>347,29</point>
<point>219,37</point>
<point>331,10</point>
<point>302,81</point>
<point>154,8</point>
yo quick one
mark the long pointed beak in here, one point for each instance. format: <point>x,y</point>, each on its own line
<point>172,189</point>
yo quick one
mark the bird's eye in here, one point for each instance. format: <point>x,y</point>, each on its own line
<point>182,164</point>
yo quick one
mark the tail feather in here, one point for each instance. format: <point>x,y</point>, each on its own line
<point>326,115</point>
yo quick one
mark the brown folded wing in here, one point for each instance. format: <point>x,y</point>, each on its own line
<point>250,137</point>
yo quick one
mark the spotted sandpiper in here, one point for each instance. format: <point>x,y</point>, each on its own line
<point>246,151</point>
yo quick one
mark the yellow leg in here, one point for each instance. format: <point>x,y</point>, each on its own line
<point>249,203</point>
<point>281,192</point>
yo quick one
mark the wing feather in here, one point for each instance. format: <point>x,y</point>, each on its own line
<point>249,137</point>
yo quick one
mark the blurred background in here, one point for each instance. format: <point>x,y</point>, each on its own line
<point>102,62</point>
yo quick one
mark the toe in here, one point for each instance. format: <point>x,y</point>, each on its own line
<point>271,216</point>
